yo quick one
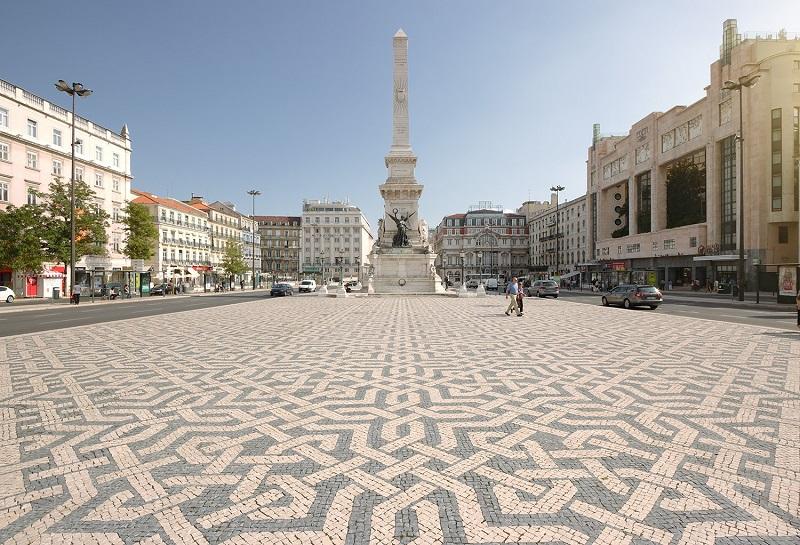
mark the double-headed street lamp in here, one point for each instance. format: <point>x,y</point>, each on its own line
<point>557,189</point>
<point>81,91</point>
<point>254,193</point>
<point>744,81</point>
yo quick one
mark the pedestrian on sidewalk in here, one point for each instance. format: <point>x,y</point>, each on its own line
<point>797,304</point>
<point>520,296</point>
<point>511,290</point>
<point>76,294</point>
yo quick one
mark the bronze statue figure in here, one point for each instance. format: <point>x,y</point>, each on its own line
<point>400,239</point>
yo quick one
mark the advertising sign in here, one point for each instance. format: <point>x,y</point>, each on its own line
<point>787,281</point>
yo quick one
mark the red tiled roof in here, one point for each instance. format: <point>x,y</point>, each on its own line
<point>456,216</point>
<point>149,198</point>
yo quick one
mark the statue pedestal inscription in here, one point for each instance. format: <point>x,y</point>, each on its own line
<point>402,257</point>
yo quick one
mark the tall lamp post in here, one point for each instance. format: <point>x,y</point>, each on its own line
<point>322,265</point>
<point>254,193</point>
<point>462,256</point>
<point>358,269</point>
<point>557,189</point>
<point>744,81</point>
<point>81,91</point>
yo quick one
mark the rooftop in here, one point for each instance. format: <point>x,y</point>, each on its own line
<point>143,197</point>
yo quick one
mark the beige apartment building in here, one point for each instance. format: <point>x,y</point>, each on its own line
<point>485,242</point>
<point>558,238</point>
<point>181,256</point>
<point>663,200</point>
<point>34,149</point>
<point>280,246</point>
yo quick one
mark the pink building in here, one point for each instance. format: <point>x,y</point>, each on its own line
<point>35,148</point>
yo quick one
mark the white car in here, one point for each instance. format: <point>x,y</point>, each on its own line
<point>307,286</point>
<point>6,294</point>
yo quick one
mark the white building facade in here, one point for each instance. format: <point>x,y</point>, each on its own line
<point>558,238</point>
<point>336,241</point>
<point>35,148</point>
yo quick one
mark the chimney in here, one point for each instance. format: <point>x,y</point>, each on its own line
<point>553,198</point>
<point>730,38</point>
<point>595,133</point>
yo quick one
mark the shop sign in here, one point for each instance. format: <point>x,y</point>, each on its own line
<point>311,269</point>
<point>617,265</point>
<point>787,281</point>
<point>711,249</point>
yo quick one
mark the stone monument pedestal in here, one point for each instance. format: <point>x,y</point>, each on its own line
<point>405,270</point>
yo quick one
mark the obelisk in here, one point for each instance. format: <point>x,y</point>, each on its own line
<point>402,257</point>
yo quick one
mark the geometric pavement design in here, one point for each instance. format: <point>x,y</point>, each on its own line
<point>410,421</point>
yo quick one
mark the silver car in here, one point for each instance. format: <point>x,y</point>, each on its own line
<point>543,288</point>
<point>633,295</point>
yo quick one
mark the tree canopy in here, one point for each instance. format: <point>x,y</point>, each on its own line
<point>141,234</point>
<point>232,261</point>
<point>21,238</point>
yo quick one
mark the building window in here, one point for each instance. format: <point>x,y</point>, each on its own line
<point>57,168</point>
<point>3,151</point>
<point>31,196</point>
<point>98,153</point>
<point>669,244</point>
<point>56,137</point>
<point>115,214</point>
<point>796,87</point>
<point>115,184</point>
<point>796,153</point>
<point>78,147</point>
<point>3,192</point>
<point>78,174</point>
<point>728,187</point>
<point>643,190</point>
<point>777,162</point>
<point>783,234</point>
<point>692,242</point>
<point>33,160</point>
<point>33,128</point>
<point>3,117</point>
<point>98,180</point>
<point>115,160</point>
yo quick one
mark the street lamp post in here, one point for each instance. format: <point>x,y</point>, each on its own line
<point>254,193</point>
<point>744,81</point>
<point>557,189</point>
<point>322,265</point>
<point>462,256</point>
<point>81,91</point>
<point>358,269</point>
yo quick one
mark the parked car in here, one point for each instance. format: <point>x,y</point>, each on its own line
<point>633,295</point>
<point>6,294</point>
<point>352,286</point>
<point>491,284</point>
<point>307,286</point>
<point>473,283</point>
<point>543,288</point>
<point>281,289</point>
<point>158,289</point>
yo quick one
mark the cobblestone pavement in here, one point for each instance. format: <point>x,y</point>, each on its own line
<point>408,421</point>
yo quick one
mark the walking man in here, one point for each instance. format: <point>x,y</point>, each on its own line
<point>512,290</point>
<point>76,293</point>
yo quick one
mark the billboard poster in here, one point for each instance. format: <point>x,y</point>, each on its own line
<point>787,281</point>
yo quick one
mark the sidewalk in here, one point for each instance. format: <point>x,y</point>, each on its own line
<point>722,300</point>
<point>29,304</point>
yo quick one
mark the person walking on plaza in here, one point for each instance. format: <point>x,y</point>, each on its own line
<point>511,290</point>
<point>520,296</point>
<point>76,294</point>
<point>797,304</point>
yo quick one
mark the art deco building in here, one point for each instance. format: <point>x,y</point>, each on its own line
<point>664,198</point>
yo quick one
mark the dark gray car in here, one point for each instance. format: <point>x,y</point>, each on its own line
<point>633,295</point>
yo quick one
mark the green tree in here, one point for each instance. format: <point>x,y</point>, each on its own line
<point>90,221</point>
<point>21,234</point>
<point>686,195</point>
<point>141,234</point>
<point>232,261</point>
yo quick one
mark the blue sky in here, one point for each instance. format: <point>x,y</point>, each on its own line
<point>294,98</point>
